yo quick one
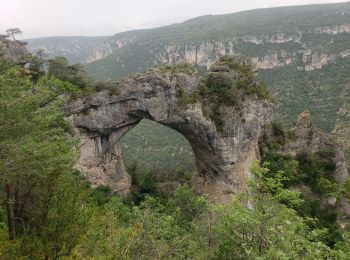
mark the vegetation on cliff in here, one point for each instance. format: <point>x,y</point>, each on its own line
<point>312,173</point>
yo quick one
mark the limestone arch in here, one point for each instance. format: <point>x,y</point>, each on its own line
<point>222,157</point>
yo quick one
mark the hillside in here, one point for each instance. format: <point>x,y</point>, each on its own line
<point>301,52</point>
<point>307,36</point>
<point>76,49</point>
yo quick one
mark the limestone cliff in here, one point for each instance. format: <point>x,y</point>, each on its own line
<point>277,49</point>
<point>223,157</point>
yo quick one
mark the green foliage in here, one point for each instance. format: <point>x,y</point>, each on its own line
<point>346,188</point>
<point>143,184</point>
<point>59,68</point>
<point>112,229</point>
<point>187,227</point>
<point>185,206</point>
<point>313,167</point>
<point>274,184</point>
<point>153,230</point>
<point>184,98</point>
<point>101,195</point>
<point>310,90</point>
<point>313,174</point>
<point>215,116</point>
<point>4,63</point>
<point>49,202</point>
<point>268,229</point>
<point>278,162</point>
<point>147,187</point>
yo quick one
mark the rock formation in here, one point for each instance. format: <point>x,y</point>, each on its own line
<point>223,157</point>
<point>304,138</point>
<point>309,139</point>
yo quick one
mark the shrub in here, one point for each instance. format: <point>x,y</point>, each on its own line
<point>184,98</point>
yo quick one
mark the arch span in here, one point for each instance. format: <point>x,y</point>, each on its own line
<point>222,156</point>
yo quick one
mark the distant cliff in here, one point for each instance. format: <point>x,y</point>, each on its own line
<point>267,51</point>
<point>76,49</point>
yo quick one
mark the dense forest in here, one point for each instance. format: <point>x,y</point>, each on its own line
<point>49,211</point>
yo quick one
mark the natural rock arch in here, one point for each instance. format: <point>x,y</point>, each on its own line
<point>222,157</point>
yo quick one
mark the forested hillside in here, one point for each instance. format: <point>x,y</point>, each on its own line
<point>307,36</point>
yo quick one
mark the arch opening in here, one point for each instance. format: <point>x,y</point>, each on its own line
<point>155,154</point>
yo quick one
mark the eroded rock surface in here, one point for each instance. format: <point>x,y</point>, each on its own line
<point>222,157</point>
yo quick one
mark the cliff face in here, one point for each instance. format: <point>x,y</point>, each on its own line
<point>276,49</point>
<point>222,157</point>
<point>107,48</point>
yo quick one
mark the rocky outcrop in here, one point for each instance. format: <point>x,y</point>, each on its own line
<point>304,138</point>
<point>273,38</point>
<point>222,157</point>
<point>309,139</point>
<point>203,54</point>
<point>334,29</point>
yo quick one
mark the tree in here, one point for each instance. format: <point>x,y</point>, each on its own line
<point>47,204</point>
<point>12,32</point>
<point>57,67</point>
<point>14,49</point>
<point>74,74</point>
<point>267,229</point>
<point>37,63</point>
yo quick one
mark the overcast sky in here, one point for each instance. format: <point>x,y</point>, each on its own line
<point>38,18</point>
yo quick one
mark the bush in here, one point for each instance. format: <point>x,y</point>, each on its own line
<point>184,98</point>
